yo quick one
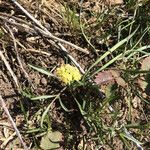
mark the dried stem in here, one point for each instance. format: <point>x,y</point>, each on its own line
<point>10,138</point>
<point>17,55</point>
<point>46,31</point>
<point>9,69</point>
<point>13,123</point>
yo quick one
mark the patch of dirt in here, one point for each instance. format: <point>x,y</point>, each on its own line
<point>35,49</point>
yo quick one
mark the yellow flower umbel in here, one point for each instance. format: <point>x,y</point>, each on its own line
<point>68,74</point>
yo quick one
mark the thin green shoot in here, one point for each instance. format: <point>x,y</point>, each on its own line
<point>62,105</point>
<point>49,106</point>
<point>115,47</point>
<point>42,97</point>
<point>41,70</point>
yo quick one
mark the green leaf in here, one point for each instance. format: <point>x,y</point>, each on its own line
<point>46,110</point>
<point>115,47</point>
<point>107,64</point>
<point>41,70</point>
<point>127,135</point>
<point>1,33</point>
<point>26,94</point>
<point>43,97</point>
<point>51,140</point>
<point>80,108</point>
<point>134,51</point>
<point>62,105</point>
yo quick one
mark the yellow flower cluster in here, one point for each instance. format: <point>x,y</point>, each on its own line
<point>67,74</point>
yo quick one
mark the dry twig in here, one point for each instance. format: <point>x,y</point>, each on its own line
<point>13,123</point>
<point>9,69</point>
<point>17,55</point>
<point>11,137</point>
<point>45,31</point>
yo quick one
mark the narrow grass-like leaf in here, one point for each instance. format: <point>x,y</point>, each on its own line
<point>46,111</point>
<point>138,50</point>
<point>130,137</point>
<point>129,24</point>
<point>140,39</point>
<point>80,108</point>
<point>119,56</point>
<point>49,106</point>
<point>138,126</point>
<point>26,94</point>
<point>86,38</point>
<point>107,64</point>
<point>34,130</point>
<point>124,140</point>
<point>133,71</point>
<point>111,50</point>
<point>41,70</point>
<point>43,97</point>
<point>44,114</point>
<point>62,105</point>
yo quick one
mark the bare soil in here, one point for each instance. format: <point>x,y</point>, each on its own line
<point>35,49</point>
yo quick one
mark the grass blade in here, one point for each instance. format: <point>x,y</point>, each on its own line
<point>138,50</point>
<point>111,50</point>
<point>62,105</point>
<point>41,70</point>
<point>43,97</point>
<point>46,111</point>
<point>107,64</point>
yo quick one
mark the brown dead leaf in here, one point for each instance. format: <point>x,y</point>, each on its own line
<point>104,78</point>
<point>109,76</point>
<point>120,81</point>
<point>144,79</point>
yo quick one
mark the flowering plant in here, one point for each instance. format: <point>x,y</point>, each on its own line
<point>68,74</point>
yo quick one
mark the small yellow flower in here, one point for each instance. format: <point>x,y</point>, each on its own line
<point>68,73</point>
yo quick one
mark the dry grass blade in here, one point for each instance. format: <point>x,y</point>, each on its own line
<point>37,51</point>
<point>72,59</point>
<point>13,123</point>
<point>46,31</point>
<point>9,69</point>
<point>17,55</point>
<point>3,145</point>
